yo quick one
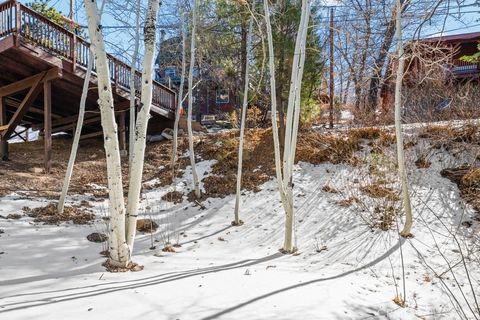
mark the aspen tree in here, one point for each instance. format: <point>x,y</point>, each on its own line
<point>398,126</point>
<point>76,138</point>
<point>136,172</point>
<point>285,182</point>
<point>122,230</point>
<point>180,90</point>
<point>196,183</point>
<point>237,220</point>
<point>133,71</point>
<point>119,253</point>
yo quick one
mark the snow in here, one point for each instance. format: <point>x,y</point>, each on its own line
<point>226,272</point>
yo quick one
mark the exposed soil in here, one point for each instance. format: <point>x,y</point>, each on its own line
<point>24,173</point>
<point>378,191</point>
<point>49,214</point>
<point>173,196</point>
<point>468,181</point>
<point>97,237</point>
<point>146,225</point>
<point>134,267</point>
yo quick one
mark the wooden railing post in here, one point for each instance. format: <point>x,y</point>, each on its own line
<point>122,133</point>
<point>18,23</point>
<point>73,51</point>
<point>47,119</point>
<point>3,121</point>
<point>115,74</point>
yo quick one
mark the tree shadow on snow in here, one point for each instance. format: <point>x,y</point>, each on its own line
<point>105,288</point>
<point>222,313</point>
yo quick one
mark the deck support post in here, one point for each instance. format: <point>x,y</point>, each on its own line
<point>122,134</point>
<point>3,121</point>
<point>47,119</point>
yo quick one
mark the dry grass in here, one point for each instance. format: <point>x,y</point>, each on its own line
<point>347,202</point>
<point>168,248</point>
<point>146,225</point>
<point>329,189</point>
<point>49,214</point>
<point>134,267</point>
<point>472,178</point>
<point>24,171</point>
<point>316,148</point>
<point>368,133</point>
<point>468,182</point>
<point>173,196</point>
<point>422,162</point>
<point>379,191</point>
<point>386,216</point>
<point>468,133</point>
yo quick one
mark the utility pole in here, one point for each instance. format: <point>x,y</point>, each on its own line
<point>72,6</point>
<point>332,85</point>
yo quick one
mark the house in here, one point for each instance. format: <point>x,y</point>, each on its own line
<point>211,94</point>
<point>457,46</point>
<point>436,59</point>
<point>41,80</point>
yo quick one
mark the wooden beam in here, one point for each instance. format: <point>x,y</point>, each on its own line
<point>122,134</point>
<point>3,121</point>
<point>72,124</point>
<point>47,137</point>
<point>63,120</point>
<point>35,109</point>
<point>24,106</point>
<point>122,105</point>
<point>15,87</point>
<point>91,135</point>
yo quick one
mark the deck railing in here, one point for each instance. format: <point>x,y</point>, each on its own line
<point>460,66</point>
<point>27,24</point>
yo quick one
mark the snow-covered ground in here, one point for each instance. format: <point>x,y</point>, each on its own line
<point>343,269</point>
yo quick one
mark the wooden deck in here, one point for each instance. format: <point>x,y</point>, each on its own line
<point>463,69</point>
<point>38,55</point>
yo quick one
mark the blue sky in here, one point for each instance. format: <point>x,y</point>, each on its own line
<point>463,19</point>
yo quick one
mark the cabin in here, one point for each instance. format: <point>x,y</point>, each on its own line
<point>443,53</point>
<point>43,67</point>
<point>210,95</point>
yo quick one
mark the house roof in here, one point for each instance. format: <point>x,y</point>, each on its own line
<point>473,36</point>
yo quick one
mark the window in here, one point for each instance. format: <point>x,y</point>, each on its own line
<point>222,96</point>
<point>170,72</point>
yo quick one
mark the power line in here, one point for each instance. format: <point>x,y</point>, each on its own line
<point>319,21</point>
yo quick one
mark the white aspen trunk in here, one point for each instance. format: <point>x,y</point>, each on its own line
<point>135,183</point>
<point>196,183</point>
<point>284,192</point>
<point>297,105</point>
<point>180,90</point>
<point>119,254</point>
<point>285,184</point>
<point>406,232</point>
<point>291,103</point>
<point>273,97</point>
<point>133,70</point>
<point>76,138</point>
<point>237,220</point>
<point>293,115</point>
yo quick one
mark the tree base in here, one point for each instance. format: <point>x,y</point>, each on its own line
<point>114,267</point>
<point>284,251</point>
<point>406,235</point>
<point>237,224</point>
